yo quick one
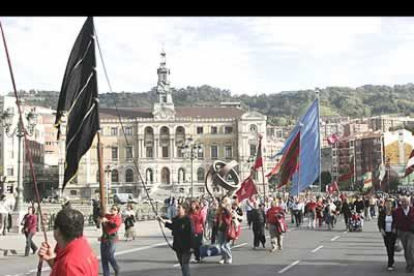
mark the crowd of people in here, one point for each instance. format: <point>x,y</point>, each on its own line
<point>196,224</point>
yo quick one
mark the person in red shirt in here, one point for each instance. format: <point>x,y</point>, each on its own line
<point>197,221</point>
<point>311,212</point>
<point>275,219</point>
<point>110,225</point>
<point>73,255</point>
<point>29,224</point>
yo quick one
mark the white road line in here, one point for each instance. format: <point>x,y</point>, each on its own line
<point>317,248</point>
<point>335,238</point>
<point>240,245</point>
<point>289,266</point>
<point>138,249</point>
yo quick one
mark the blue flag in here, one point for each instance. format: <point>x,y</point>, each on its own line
<point>310,149</point>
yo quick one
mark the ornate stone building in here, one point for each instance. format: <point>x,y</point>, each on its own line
<point>155,140</point>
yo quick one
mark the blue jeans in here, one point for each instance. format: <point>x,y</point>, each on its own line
<point>108,257</point>
<point>224,245</point>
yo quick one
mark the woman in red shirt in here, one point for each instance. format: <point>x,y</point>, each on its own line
<point>29,224</point>
<point>110,225</point>
<point>197,221</point>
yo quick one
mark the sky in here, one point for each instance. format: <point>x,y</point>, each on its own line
<point>246,55</point>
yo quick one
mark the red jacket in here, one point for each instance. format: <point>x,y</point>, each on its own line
<point>311,206</point>
<point>110,228</point>
<point>76,259</point>
<point>274,214</point>
<point>198,222</point>
<point>403,222</point>
<point>30,223</point>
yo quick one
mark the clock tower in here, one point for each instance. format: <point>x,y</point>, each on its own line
<point>164,107</point>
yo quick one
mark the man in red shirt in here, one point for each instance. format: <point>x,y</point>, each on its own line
<point>311,212</point>
<point>275,219</point>
<point>404,223</point>
<point>110,226</point>
<point>73,255</point>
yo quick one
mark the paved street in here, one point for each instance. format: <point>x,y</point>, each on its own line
<point>306,252</point>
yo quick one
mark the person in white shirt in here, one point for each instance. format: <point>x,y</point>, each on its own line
<point>4,214</point>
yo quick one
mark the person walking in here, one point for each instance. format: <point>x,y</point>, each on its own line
<point>197,221</point>
<point>237,217</point>
<point>110,226</point>
<point>404,223</point>
<point>182,231</point>
<point>275,223</point>
<point>4,215</point>
<point>386,226</point>
<point>259,220</point>
<point>311,213</point>
<point>346,211</point>
<point>29,224</point>
<point>224,221</point>
<point>129,221</point>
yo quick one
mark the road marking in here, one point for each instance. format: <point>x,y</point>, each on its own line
<point>335,238</point>
<point>138,249</point>
<point>317,248</point>
<point>289,266</point>
<point>240,245</point>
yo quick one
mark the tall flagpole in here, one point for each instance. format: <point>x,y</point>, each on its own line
<point>317,92</point>
<point>300,147</point>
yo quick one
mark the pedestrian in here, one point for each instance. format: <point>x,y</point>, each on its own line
<point>182,232</point>
<point>29,224</point>
<point>96,210</point>
<point>249,208</point>
<point>259,220</point>
<point>319,211</point>
<point>4,214</point>
<point>275,218</point>
<point>129,221</point>
<point>387,229</point>
<point>211,221</point>
<point>237,217</point>
<point>72,256</point>
<point>346,211</point>
<point>311,213</point>
<point>110,225</point>
<point>197,221</point>
<point>224,222</point>
<point>404,223</point>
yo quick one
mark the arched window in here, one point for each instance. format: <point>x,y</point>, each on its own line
<point>165,176</point>
<point>200,174</point>
<point>129,175</point>
<point>181,175</point>
<point>115,176</point>
<point>149,176</point>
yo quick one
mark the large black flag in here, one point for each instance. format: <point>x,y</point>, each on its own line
<point>79,99</point>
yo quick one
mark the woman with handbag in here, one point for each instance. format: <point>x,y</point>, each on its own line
<point>197,221</point>
<point>29,224</point>
<point>225,230</point>
<point>386,226</point>
<point>129,222</point>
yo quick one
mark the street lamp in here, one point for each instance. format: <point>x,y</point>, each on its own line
<point>108,183</point>
<point>191,151</point>
<point>6,122</point>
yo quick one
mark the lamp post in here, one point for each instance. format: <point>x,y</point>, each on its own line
<point>191,151</point>
<point>108,183</point>
<point>6,122</point>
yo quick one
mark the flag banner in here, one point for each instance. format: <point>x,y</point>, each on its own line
<point>247,189</point>
<point>332,139</point>
<point>410,164</point>
<point>382,172</point>
<point>348,175</point>
<point>79,99</point>
<point>259,158</point>
<point>289,164</point>
<point>367,180</point>
<point>310,149</point>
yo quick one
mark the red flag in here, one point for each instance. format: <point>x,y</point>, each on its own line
<point>349,174</point>
<point>410,164</point>
<point>247,189</point>
<point>259,159</point>
<point>332,139</point>
<point>289,163</point>
<point>330,189</point>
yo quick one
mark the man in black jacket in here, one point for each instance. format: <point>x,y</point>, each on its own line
<point>182,232</point>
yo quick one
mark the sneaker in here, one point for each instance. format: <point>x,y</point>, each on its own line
<point>229,261</point>
<point>221,261</point>
<point>273,249</point>
<point>279,248</point>
<point>390,268</point>
<point>254,247</point>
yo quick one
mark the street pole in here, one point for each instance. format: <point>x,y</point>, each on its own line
<point>18,208</point>
<point>192,181</point>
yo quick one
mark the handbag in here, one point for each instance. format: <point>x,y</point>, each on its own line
<point>398,246</point>
<point>231,232</point>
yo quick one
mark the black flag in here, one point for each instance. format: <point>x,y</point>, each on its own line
<point>79,99</point>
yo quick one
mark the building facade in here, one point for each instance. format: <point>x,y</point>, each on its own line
<point>150,145</point>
